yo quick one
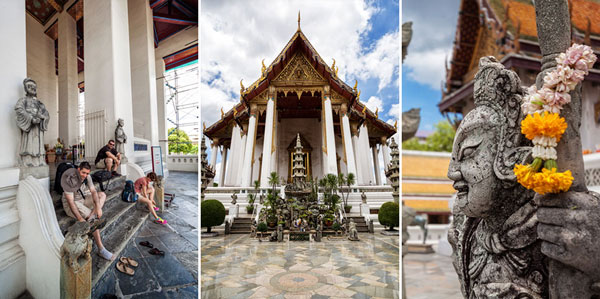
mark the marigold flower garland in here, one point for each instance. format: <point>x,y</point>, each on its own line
<point>543,125</point>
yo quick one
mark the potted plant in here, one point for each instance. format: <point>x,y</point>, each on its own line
<point>336,227</point>
<point>271,220</point>
<point>346,181</point>
<point>261,227</point>
<point>328,220</point>
<point>281,222</point>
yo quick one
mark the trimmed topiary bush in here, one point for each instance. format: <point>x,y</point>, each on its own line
<point>389,214</point>
<point>212,213</point>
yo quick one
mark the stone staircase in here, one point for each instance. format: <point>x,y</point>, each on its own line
<point>361,224</point>
<point>241,225</point>
<point>123,220</point>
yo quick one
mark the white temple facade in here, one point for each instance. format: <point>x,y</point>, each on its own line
<point>299,94</point>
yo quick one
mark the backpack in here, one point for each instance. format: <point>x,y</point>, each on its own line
<point>100,177</point>
<point>62,167</point>
<point>129,194</point>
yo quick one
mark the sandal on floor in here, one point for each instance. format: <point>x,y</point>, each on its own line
<point>156,251</point>
<point>128,261</point>
<point>122,267</point>
<point>147,244</point>
<point>160,221</point>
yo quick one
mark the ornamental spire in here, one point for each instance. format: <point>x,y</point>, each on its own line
<point>298,20</point>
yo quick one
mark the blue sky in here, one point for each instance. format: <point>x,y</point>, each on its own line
<point>434,27</point>
<point>362,36</point>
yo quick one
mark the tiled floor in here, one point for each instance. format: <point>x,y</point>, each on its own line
<point>236,266</point>
<point>430,276</point>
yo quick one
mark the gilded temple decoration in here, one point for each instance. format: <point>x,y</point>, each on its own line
<point>299,70</point>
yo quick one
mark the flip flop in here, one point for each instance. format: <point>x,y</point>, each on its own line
<point>160,221</point>
<point>147,244</point>
<point>122,267</point>
<point>156,209</point>
<point>156,251</point>
<point>128,261</point>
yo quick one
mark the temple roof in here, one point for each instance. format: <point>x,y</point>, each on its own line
<point>298,44</point>
<point>507,29</point>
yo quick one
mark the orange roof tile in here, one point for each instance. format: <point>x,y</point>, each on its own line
<point>428,205</point>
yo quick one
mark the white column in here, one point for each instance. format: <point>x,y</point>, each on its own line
<point>347,139</point>
<point>68,92</point>
<point>239,166</point>
<point>107,64</point>
<point>356,147</point>
<point>385,151</point>
<point>213,152</point>
<point>364,156</point>
<point>223,166</point>
<point>265,169</point>
<point>234,149</point>
<point>143,70</point>
<point>329,133</point>
<point>161,107</point>
<point>376,165</point>
<point>249,153</point>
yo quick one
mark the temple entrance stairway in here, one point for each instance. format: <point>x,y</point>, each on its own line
<point>241,225</point>
<point>123,220</point>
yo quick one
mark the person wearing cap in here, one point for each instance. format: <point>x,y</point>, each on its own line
<point>82,201</point>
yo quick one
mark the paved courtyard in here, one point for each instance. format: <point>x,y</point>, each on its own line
<point>237,266</point>
<point>174,275</point>
<point>430,276</point>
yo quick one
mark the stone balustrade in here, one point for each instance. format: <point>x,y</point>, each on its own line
<point>435,233</point>
<point>592,171</point>
<point>187,163</point>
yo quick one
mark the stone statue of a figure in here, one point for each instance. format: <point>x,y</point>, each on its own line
<point>496,250</point>
<point>32,119</point>
<point>120,137</point>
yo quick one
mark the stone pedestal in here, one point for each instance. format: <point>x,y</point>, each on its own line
<point>39,172</point>
<point>76,284</point>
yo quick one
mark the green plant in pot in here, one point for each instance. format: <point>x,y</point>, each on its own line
<point>336,227</point>
<point>271,220</point>
<point>346,181</point>
<point>262,227</point>
<point>328,219</point>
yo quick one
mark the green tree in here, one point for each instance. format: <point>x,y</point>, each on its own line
<point>179,142</point>
<point>440,141</point>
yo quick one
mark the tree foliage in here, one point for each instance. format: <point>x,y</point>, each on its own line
<point>440,141</point>
<point>389,214</point>
<point>179,142</point>
<point>212,213</point>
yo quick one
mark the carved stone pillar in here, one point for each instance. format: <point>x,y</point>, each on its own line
<point>376,164</point>
<point>347,141</point>
<point>213,152</point>
<point>76,263</point>
<point>359,168</point>
<point>223,166</point>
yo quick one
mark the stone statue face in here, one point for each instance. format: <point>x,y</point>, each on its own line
<point>30,88</point>
<point>121,122</point>
<point>471,167</point>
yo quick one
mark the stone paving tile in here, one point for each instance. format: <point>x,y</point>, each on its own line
<point>330,269</point>
<point>430,276</point>
<point>169,271</point>
<point>176,243</point>
<point>141,282</point>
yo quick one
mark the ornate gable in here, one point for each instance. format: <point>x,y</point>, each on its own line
<point>299,72</point>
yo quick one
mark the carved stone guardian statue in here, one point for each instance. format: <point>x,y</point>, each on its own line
<point>233,199</point>
<point>352,232</point>
<point>32,120</point>
<point>363,197</point>
<point>493,235</point>
<point>76,262</point>
<point>120,137</point>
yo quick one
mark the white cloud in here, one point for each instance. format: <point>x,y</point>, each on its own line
<point>374,103</point>
<point>235,38</point>
<point>394,112</point>
<point>427,67</point>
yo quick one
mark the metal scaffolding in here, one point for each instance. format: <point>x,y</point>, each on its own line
<point>182,104</point>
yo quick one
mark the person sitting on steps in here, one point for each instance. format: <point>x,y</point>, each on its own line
<point>108,158</point>
<point>145,194</point>
<point>83,206</point>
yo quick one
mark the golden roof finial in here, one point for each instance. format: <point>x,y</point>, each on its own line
<point>264,68</point>
<point>298,20</point>
<point>377,112</point>
<point>222,113</point>
<point>358,95</point>
<point>234,111</point>
<point>241,86</point>
<point>204,125</point>
<point>355,85</point>
<point>364,109</point>
<point>396,125</point>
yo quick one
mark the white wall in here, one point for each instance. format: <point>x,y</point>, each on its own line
<point>41,68</point>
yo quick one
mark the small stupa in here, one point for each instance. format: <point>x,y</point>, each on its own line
<point>298,187</point>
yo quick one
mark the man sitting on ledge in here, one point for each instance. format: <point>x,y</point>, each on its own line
<point>108,158</point>
<point>83,206</point>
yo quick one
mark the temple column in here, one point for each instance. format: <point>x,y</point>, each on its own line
<point>239,166</point>
<point>385,151</point>
<point>161,107</point>
<point>143,70</point>
<point>249,153</point>
<point>357,163</point>
<point>223,166</point>
<point>265,169</point>
<point>331,167</point>
<point>68,92</point>
<point>347,141</point>
<point>233,160</point>
<point>213,152</point>
<point>364,157</point>
<point>376,165</point>
<point>108,75</point>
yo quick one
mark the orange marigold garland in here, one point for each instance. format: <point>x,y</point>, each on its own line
<point>543,124</point>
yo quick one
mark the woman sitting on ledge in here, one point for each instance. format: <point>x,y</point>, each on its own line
<point>145,194</point>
